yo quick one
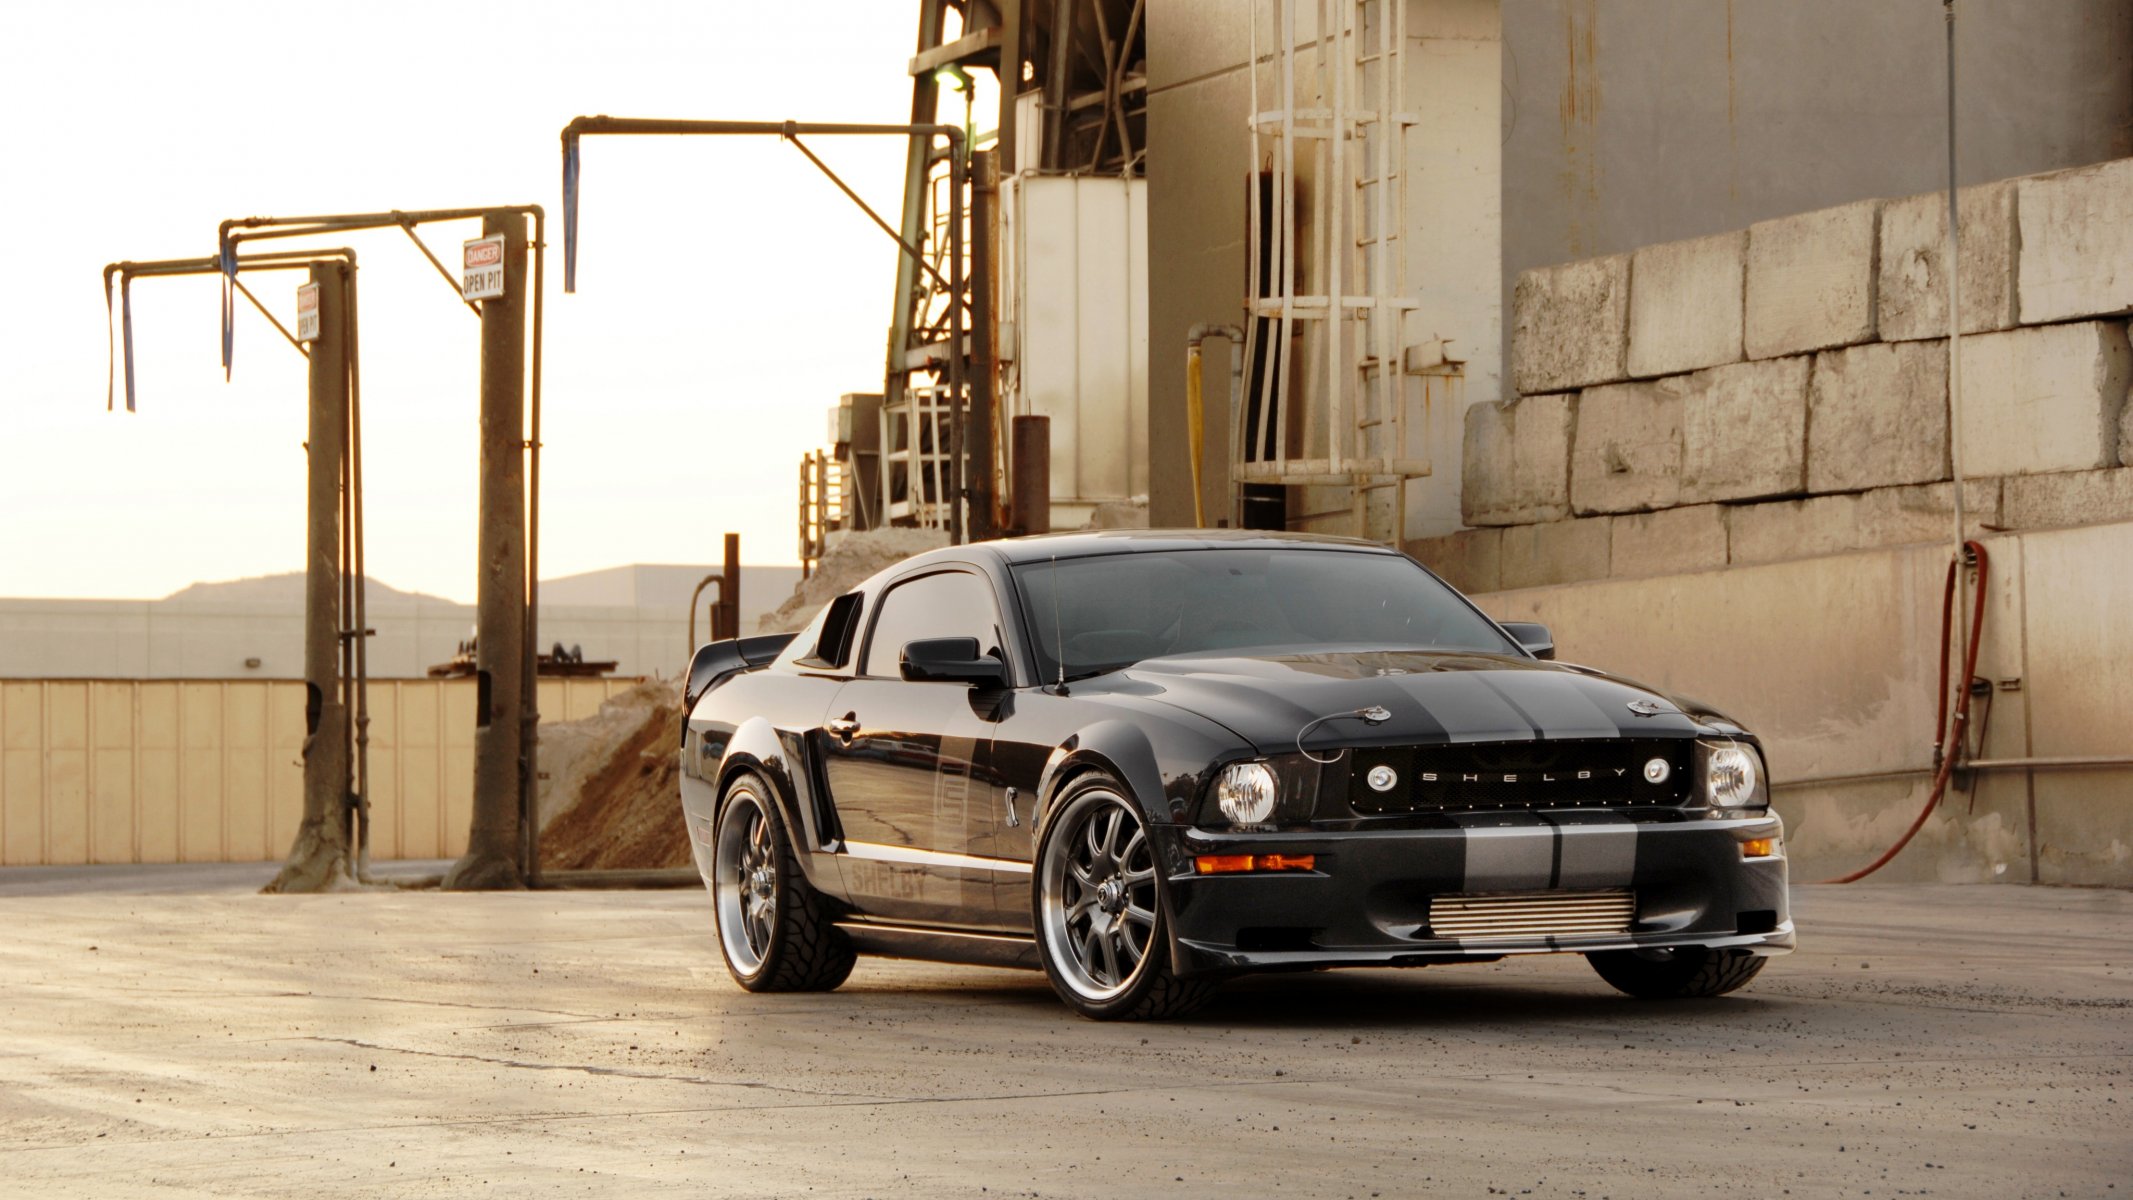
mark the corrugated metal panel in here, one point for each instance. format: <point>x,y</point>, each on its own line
<point>156,771</point>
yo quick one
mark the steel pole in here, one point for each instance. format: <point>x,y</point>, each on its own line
<point>496,836</point>
<point>1029,474</point>
<point>958,359</point>
<point>729,590</point>
<point>317,858</point>
<point>984,427</point>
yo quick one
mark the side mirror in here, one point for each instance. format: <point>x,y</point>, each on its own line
<point>951,660</point>
<point>1533,636</point>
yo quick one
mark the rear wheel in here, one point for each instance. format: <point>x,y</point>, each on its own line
<point>1099,912</point>
<point>774,930</point>
<point>1682,973</point>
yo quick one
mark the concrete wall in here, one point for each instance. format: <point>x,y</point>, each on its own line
<point>1783,391</point>
<point>1198,182</point>
<point>1733,475</point>
<point>133,771</point>
<point>1632,122</point>
<point>1832,660</point>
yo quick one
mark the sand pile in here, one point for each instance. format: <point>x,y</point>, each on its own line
<point>610,790</point>
<point>850,559</point>
<point>609,794</point>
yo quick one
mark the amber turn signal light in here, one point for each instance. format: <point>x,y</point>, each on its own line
<point>1759,847</point>
<point>1231,864</point>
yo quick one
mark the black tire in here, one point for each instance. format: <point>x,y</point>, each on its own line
<point>775,931</point>
<point>1096,900</point>
<point>1684,973</point>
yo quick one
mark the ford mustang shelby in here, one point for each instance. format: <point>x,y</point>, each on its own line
<point>1144,760</point>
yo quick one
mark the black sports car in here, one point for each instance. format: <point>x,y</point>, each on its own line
<point>1146,760</point>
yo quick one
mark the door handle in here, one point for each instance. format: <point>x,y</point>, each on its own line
<point>845,726</point>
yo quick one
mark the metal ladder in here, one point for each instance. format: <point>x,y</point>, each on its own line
<point>1343,92</point>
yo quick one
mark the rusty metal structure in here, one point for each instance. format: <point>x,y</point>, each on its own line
<point>1071,81</point>
<point>501,849</point>
<point>334,836</point>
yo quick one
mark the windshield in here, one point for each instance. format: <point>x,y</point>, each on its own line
<point>1110,611</point>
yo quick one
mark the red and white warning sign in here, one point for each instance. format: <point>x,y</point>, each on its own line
<point>307,313</point>
<point>483,278</point>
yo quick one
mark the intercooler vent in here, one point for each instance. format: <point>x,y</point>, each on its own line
<point>1498,915</point>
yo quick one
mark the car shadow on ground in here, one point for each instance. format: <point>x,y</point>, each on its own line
<point>1361,999</point>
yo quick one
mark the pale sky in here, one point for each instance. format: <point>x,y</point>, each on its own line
<point>726,292</point>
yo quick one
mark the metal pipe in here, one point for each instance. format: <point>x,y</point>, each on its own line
<point>472,306</point>
<point>1013,24</point>
<point>729,592</point>
<point>1196,413</point>
<point>984,428</point>
<point>343,634</point>
<point>126,271</point>
<point>232,233</point>
<point>1055,84</point>
<point>1030,474</point>
<point>958,302</point>
<point>362,586</point>
<point>1953,270</point>
<point>530,737</point>
<point>958,359</point>
<point>695,597</point>
<point>868,209</point>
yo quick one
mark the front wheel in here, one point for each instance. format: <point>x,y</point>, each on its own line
<point>1098,910</point>
<point>774,929</point>
<point>1683,973</point>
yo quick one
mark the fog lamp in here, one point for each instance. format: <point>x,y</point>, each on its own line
<point>1762,847</point>
<point>1245,793</point>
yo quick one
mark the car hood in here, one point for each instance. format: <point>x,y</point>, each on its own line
<point>1432,697</point>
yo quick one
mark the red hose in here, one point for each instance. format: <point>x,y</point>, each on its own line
<point>1948,737</point>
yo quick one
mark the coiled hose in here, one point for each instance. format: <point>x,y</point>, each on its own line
<point>1949,738</point>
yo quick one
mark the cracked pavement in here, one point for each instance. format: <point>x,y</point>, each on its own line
<point>183,1036</point>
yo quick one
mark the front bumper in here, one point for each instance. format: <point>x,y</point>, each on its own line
<point>1367,900</point>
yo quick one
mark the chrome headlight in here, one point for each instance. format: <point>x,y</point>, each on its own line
<point>1245,793</point>
<point>1730,777</point>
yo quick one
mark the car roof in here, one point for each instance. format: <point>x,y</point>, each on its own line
<point>1085,543</point>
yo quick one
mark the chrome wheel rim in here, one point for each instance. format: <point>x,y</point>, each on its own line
<point>1098,899</point>
<point>745,872</point>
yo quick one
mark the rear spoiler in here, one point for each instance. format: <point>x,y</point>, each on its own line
<point>715,661</point>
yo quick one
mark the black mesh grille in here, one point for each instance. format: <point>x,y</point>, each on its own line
<point>1496,776</point>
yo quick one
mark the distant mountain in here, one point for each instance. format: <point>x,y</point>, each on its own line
<point>286,590</point>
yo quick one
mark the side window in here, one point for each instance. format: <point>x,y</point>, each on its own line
<point>949,604</point>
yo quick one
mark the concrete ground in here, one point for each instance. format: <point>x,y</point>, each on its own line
<point>171,1033</point>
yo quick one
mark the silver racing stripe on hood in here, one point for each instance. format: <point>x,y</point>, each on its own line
<point>1467,707</point>
<point>1555,710</point>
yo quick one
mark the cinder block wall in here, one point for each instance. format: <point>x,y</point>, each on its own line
<point>1729,472</point>
<point>1781,392</point>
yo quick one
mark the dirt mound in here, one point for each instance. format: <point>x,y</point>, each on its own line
<point>850,559</point>
<point>610,793</point>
